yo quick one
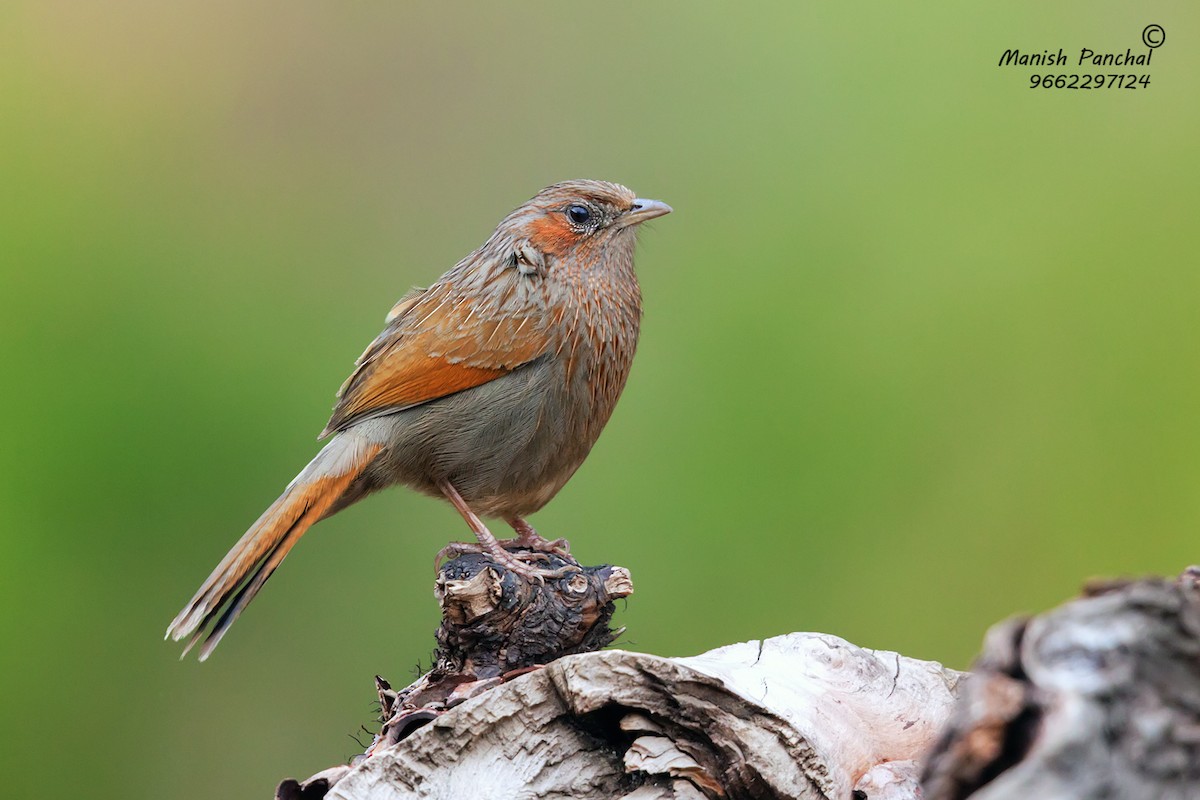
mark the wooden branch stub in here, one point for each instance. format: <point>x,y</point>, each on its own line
<point>1099,698</point>
<point>496,625</point>
<point>495,621</point>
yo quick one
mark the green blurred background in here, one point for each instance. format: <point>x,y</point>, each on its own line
<point>919,351</point>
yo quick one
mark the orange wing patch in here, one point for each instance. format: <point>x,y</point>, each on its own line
<point>399,382</point>
<point>436,346</point>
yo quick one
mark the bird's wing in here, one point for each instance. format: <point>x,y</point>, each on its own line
<point>438,342</point>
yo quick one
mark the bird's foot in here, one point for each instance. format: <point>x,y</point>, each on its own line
<point>529,538</point>
<point>514,562</point>
<point>540,547</point>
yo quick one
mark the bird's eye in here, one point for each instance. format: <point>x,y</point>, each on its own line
<point>580,215</point>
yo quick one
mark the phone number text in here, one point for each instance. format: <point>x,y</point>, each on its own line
<point>1089,81</point>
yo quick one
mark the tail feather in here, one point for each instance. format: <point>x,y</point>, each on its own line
<point>246,568</point>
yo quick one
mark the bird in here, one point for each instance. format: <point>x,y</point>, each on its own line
<point>488,389</point>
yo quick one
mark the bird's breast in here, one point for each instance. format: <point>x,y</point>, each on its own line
<point>600,338</point>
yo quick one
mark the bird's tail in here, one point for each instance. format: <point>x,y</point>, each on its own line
<point>244,570</point>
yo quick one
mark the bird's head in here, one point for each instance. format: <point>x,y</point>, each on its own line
<point>581,221</point>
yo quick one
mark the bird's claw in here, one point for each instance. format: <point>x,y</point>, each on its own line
<point>559,547</point>
<point>513,562</point>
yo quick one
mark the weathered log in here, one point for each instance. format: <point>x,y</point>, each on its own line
<point>1097,699</point>
<point>798,716</point>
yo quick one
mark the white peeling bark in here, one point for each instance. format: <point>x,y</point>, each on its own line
<point>797,716</point>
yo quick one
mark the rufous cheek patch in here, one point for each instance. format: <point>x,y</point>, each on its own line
<point>552,234</point>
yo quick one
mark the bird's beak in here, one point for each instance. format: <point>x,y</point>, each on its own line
<point>643,210</point>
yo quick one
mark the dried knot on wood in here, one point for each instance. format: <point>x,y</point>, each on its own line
<point>498,624</point>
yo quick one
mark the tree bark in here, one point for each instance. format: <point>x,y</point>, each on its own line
<point>799,716</point>
<point>1097,699</point>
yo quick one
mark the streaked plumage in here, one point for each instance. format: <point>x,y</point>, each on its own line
<point>491,386</point>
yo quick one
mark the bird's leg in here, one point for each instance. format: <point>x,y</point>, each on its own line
<point>487,542</point>
<point>528,537</point>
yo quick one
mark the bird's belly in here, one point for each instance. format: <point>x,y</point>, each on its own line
<point>507,446</point>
